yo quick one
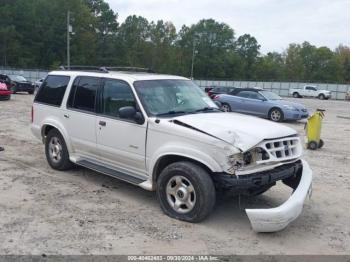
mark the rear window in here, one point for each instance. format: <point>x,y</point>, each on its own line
<point>83,94</point>
<point>52,90</point>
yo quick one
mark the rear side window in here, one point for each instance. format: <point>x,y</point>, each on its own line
<point>83,94</point>
<point>52,90</point>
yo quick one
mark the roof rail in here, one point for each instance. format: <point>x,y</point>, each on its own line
<point>106,69</point>
<point>130,69</point>
<point>84,68</point>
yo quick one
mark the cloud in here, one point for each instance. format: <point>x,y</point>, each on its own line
<point>274,23</point>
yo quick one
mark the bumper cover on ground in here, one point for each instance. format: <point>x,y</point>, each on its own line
<point>275,219</point>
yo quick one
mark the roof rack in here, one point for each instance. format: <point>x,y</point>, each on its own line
<point>107,69</point>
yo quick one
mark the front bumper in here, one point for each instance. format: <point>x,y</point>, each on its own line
<point>275,219</point>
<point>295,115</point>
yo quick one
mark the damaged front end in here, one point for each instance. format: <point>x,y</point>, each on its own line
<point>255,171</point>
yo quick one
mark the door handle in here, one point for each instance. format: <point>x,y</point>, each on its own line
<point>66,116</point>
<point>102,123</point>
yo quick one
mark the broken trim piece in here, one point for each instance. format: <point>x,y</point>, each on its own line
<point>276,219</point>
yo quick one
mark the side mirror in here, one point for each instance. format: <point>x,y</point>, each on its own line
<point>129,112</point>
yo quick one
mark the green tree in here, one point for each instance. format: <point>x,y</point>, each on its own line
<point>248,49</point>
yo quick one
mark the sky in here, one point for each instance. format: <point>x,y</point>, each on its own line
<point>274,23</point>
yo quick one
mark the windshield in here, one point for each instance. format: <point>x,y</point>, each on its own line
<point>17,78</point>
<point>270,95</point>
<point>168,97</point>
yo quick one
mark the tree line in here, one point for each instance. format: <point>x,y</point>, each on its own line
<point>33,35</point>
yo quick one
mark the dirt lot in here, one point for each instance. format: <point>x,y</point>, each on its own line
<point>82,212</point>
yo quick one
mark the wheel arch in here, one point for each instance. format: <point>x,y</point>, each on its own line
<point>275,107</point>
<point>165,160</point>
<point>47,127</point>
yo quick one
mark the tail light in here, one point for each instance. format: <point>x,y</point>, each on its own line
<point>32,114</point>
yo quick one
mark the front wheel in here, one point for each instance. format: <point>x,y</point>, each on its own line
<point>276,115</point>
<point>321,96</point>
<point>186,192</point>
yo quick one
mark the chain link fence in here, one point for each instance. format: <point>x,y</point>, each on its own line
<point>280,88</point>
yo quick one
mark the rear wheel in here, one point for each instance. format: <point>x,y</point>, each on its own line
<point>321,96</point>
<point>56,151</point>
<point>31,92</point>
<point>186,192</point>
<point>226,107</point>
<point>296,95</point>
<point>276,115</point>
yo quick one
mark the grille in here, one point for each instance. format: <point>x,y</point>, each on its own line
<point>281,149</point>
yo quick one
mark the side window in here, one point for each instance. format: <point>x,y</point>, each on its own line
<point>83,94</point>
<point>52,90</point>
<point>116,94</point>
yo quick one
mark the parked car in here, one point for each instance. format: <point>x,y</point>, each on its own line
<point>5,94</point>
<point>262,103</point>
<point>310,91</point>
<point>163,133</point>
<point>38,83</point>
<point>347,95</point>
<point>17,83</point>
<point>216,90</point>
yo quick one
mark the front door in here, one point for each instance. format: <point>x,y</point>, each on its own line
<point>120,142</point>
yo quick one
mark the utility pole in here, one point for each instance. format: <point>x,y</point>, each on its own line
<point>193,55</point>
<point>68,39</point>
<point>194,52</point>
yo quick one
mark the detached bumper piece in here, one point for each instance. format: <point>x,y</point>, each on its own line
<point>275,219</point>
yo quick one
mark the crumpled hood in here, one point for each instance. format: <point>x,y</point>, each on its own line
<point>239,130</point>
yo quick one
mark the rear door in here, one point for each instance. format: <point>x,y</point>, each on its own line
<point>120,142</point>
<point>80,116</point>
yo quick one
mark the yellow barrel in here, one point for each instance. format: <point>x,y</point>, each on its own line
<point>313,130</point>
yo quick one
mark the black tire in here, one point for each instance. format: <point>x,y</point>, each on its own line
<point>63,163</point>
<point>321,143</point>
<point>321,96</point>
<point>296,95</point>
<point>31,92</point>
<point>203,188</point>
<point>312,145</point>
<point>226,107</point>
<point>273,115</point>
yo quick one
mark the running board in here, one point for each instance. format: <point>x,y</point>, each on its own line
<point>110,172</point>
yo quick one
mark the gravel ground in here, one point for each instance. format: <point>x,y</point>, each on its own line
<point>82,212</point>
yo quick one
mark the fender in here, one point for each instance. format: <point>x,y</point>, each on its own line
<point>56,124</point>
<point>184,151</point>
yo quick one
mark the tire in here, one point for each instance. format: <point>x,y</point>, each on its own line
<point>296,95</point>
<point>56,151</point>
<point>226,107</point>
<point>276,115</point>
<point>321,143</point>
<point>31,92</point>
<point>312,145</point>
<point>173,184</point>
<point>321,96</point>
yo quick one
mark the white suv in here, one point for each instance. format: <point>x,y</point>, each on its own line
<point>163,133</point>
